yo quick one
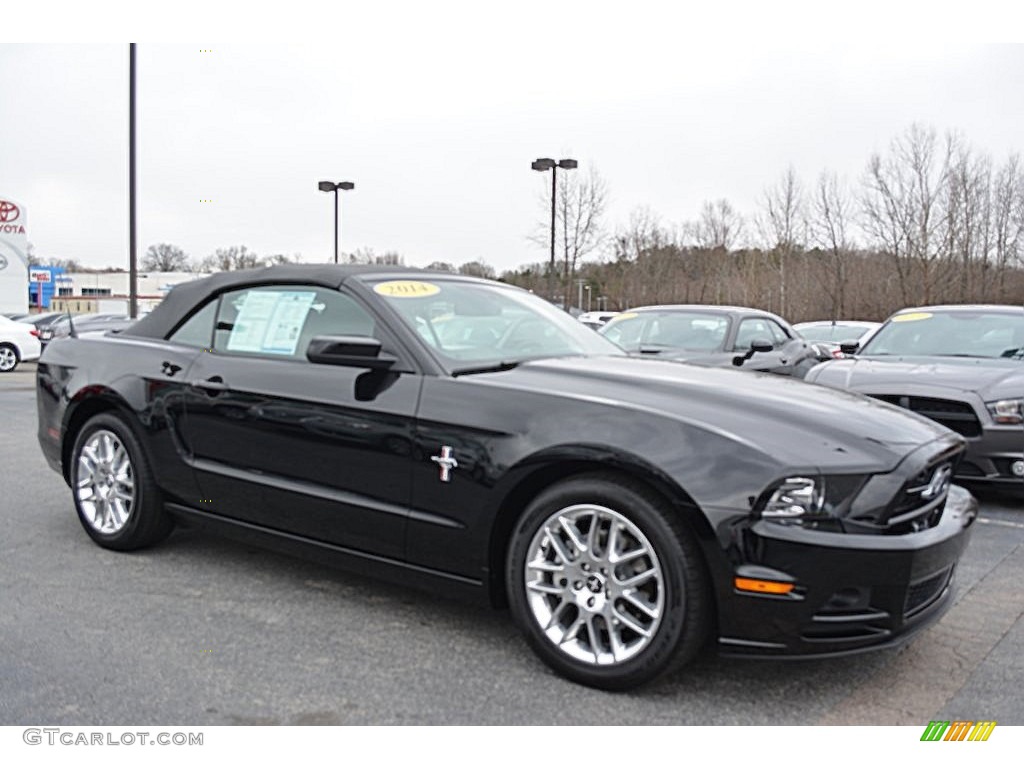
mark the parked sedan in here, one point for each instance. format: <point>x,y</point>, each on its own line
<point>18,343</point>
<point>628,510</point>
<point>961,366</point>
<point>712,335</point>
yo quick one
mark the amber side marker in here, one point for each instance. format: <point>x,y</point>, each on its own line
<point>768,587</point>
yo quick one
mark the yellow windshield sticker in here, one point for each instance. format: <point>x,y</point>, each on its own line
<point>406,289</point>
<point>911,317</point>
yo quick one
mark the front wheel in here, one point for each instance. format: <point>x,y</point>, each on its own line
<point>607,584</point>
<point>116,497</point>
<point>8,358</point>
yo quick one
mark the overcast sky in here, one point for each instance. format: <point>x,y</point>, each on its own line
<point>436,119</point>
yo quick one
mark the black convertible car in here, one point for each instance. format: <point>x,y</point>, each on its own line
<point>464,435</point>
<point>714,335</point>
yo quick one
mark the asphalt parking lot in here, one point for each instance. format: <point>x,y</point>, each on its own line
<point>208,632</point>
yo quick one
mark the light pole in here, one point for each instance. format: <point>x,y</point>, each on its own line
<point>587,289</point>
<point>330,186</point>
<point>543,164</point>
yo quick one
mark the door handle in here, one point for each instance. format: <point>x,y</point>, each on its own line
<point>212,384</point>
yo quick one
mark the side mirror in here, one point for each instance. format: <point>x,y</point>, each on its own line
<point>849,347</point>
<point>350,351</point>
<point>757,345</point>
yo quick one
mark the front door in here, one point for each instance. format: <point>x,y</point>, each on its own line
<point>322,451</point>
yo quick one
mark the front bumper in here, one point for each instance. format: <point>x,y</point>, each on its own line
<point>989,458</point>
<point>853,592</point>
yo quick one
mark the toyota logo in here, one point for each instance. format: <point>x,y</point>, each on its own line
<point>3,261</point>
<point>8,212</point>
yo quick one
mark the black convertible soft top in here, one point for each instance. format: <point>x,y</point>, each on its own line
<point>185,297</point>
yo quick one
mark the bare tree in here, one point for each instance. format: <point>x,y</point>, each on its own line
<point>903,208</point>
<point>477,269</point>
<point>580,204</point>
<point>441,266</point>
<point>164,257</point>
<point>831,211</point>
<point>719,226</point>
<point>783,226</point>
<point>235,257</point>
<point>1007,220</point>
<point>369,256</point>
<point>968,209</point>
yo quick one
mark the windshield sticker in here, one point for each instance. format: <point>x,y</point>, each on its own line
<point>406,289</point>
<point>269,322</point>
<point>911,317</point>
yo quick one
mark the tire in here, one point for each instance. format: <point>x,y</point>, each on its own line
<point>9,358</point>
<point>616,609</point>
<point>115,494</point>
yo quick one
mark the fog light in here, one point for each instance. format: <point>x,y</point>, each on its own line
<point>1017,468</point>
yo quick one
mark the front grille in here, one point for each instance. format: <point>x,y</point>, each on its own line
<point>916,504</point>
<point>924,593</point>
<point>954,414</point>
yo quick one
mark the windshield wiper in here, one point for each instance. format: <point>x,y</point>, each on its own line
<point>504,365</point>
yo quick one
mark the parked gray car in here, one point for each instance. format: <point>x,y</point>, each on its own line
<point>751,339</point>
<point>962,366</point>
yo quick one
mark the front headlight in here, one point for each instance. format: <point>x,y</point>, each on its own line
<point>1007,411</point>
<point>795,497</point>
<point>810,500</point>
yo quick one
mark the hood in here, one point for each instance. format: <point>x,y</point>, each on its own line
<point>991,378</point>
<point>795,422</point>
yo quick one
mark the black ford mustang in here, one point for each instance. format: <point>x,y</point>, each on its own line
<point>464,435</point>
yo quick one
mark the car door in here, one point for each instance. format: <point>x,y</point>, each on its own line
<point>318,450</point>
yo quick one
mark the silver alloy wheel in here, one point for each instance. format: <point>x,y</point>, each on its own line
<point>105,482</point>
<point>594,584</point>
<point>8,359</point>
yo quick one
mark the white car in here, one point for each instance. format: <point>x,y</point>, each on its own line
<point>18,342</point>
<point>595,320</point>
<point>829,334</point>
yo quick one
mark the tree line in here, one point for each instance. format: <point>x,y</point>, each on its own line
<point>931,220</point>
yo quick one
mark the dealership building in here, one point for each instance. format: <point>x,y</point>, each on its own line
<point>81,292</point>
<point>13,256</point>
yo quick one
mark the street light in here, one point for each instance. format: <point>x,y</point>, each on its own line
<point>543,164</point>
<point>330,186</point>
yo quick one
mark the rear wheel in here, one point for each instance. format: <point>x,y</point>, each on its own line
<point>117,500</point>
<point>606,583</point>
<point>8,358</point>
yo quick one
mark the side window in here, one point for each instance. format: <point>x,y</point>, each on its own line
<point>280,321</point>
<point>197,331</point>
<point>750,329</point>
<point>779,334</point>
<point>625,332</point>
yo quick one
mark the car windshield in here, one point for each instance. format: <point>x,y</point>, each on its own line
<point>697,331</point>
<point>472,325</point>
<point>951,334</point>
